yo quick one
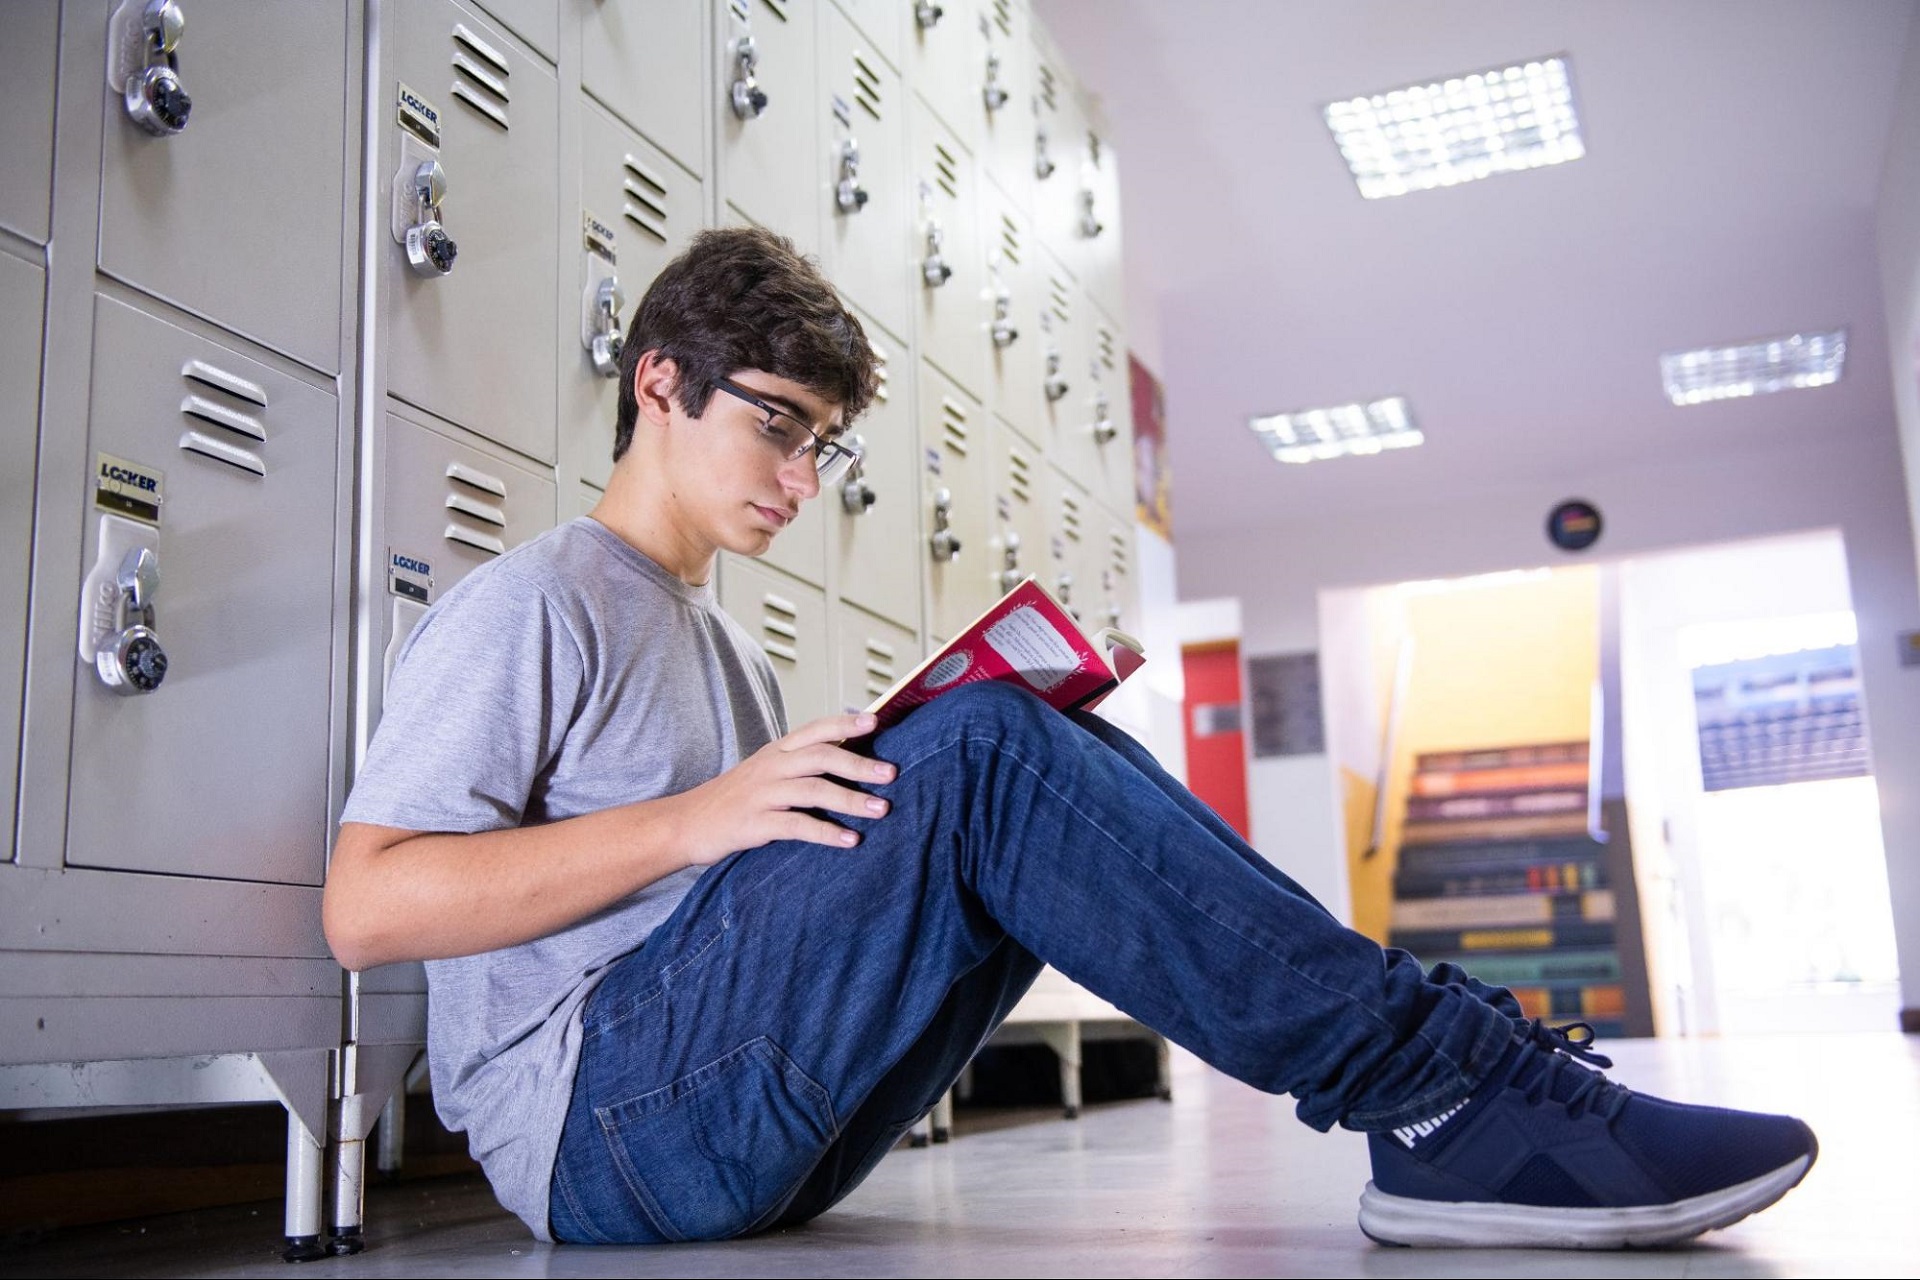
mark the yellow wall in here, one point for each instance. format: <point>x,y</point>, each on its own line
<point>1500,661</point>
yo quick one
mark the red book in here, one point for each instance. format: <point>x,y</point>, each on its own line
<point>1026,639</point>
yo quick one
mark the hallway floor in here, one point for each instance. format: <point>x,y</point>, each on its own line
<point>1222,1182</point>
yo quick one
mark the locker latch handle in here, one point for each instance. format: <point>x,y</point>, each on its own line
<point>856,495</point>
<point>1010,576</point>
<point>1063,592</point>
<point>1056,386</point>
<point>1090,224</point>
<point>747,97</point>
<point>934,269</point>
<point>1004,334</point>
<point>1103,424</point>
<point>155,98</point>
<point>927,14</point>
<point>993,91</point>
<point>430,250</point>
<point>1043,165</point>
<point>130,660</point>
<point>945,545</point>
<point>605,342</point>
<point>850,196</point>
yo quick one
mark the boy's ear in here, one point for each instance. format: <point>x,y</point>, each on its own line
<point>656,381</point>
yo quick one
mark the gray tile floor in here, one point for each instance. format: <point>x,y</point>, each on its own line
<point>1222,1182</point>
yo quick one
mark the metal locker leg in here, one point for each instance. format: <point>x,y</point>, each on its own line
<point>349,1160</point>
<point>922,1132</point>
<point>390,1147</point>
<point>1064,1039</point>
<point>941,1119</point>
<point>306,1160</point>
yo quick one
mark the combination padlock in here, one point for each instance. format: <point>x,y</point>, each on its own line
<point>856,495</point>
<point>130,660</point>
<point>156,100</point>
<point>934,270</point>
<point>849,195</point>
<point>607,343</point>
<point>430,250</point>
<point>944,543</point>
<point>746,96</point>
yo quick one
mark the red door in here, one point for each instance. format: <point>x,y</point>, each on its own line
<point>1215,732</point>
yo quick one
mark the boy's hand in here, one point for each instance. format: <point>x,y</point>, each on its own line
<point>763,797</point>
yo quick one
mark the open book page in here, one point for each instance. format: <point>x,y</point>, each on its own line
<point>1026,638</point>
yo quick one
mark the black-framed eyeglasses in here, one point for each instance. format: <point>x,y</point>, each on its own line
<point>794,438</point>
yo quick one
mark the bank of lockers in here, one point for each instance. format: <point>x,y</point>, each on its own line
<point>346,380</point>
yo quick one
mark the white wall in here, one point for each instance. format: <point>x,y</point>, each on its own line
<point>1850,479</point>
<point>1899,240</point>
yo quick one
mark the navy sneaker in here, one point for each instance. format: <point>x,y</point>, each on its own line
<point>1550,1154</point>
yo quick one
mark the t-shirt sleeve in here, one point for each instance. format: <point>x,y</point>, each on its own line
<point>479,704</point>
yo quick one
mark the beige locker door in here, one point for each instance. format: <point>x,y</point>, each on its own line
<point>767,169</point>
<point>448,507</point>
<point>1015,296</point>
<point>1007,129</point>
<point>1019,543</point>
<point>946,64</point>
<point>875,543</point>
<point>238,217</point>
<point>954,310</point>
<point>866,213</point>
<point>1110,416</point>
<point>871,653</point>
<point>651,207</point>
<point>477,346</point>
<point>955,486</point>
<point>222,770</point>
<point>1100,265</point>
<point>646,61</point>
<point>1116,602</point>
<point>1060,126</point>
<point>22,295</point>
<point>27,58</point>
<point>1065,369</point>
<point>1072,569</point>
<point>788,618</point>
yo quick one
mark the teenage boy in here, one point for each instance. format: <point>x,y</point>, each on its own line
<point>693,974</point>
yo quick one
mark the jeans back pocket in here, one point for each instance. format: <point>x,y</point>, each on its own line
<point>718,1150</point>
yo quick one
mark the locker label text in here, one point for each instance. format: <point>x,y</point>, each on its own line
<point>129,488</point>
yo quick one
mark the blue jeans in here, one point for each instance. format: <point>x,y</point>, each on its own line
<point>803,1006</point>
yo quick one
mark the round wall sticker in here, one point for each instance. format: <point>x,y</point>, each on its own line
<point>1574,525</point>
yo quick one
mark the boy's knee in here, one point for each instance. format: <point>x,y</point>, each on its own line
<point>995,708</point>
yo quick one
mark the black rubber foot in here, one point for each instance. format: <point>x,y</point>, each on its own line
<point>346,1242</point>
<point>1166,1095</point>
<point>1072,1113</point>
<point>916,1141</point>
<point>943,1135</point>
<point>303,1249</point>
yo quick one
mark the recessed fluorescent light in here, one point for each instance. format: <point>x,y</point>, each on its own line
<point>1313,435</point>
<point>1459,129</point>
<point>1754,368</point>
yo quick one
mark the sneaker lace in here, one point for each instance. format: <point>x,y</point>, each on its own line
<point>1579,1088</point>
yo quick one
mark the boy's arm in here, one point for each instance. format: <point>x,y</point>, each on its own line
<point>393,894</point>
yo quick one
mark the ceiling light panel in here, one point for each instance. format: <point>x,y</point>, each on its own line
<point>1754,368</point>
<point>1456,130</point>
<point>1314,435</point>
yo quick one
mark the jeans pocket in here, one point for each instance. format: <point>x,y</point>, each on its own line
<point>712,1154</point>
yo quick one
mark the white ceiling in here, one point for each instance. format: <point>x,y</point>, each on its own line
<point>1734,150</point>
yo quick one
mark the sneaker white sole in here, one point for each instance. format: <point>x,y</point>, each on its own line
<point>1394,1219</point>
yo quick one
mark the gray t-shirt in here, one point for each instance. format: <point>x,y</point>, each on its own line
<point>571,675</point>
